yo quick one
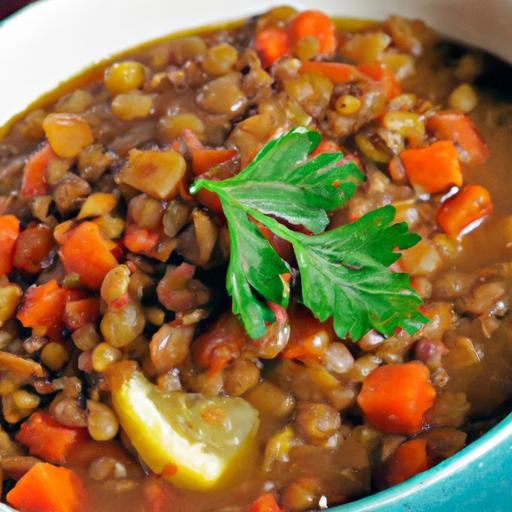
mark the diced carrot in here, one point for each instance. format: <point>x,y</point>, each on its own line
<point>32,247</point>
<point>395,397</point>
<point>338,72</point>
<point>9,232</point>
<point>409,459</point>
<point>433,169</point>
<point>459,128</point>
<point>77,313</point>
<point>140,239</point>
<point>48,439</point>
<point>34,172</point>
<point>271,44</point>
<point>87,253</point>
<point>308,337</point>
<point>326,146</point>
<point>265,503</point>
<point>318,25</point>
<point>384,76</point>
<point>42,307</point>
<point>204,159</point>
<point>48,488</point>
<point>470,204</point>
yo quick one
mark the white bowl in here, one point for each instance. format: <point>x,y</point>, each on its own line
<point>51,40</point>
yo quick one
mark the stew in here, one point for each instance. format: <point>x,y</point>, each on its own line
<point>262,268</point>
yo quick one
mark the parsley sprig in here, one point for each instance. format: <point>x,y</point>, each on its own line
<point>343,272</point>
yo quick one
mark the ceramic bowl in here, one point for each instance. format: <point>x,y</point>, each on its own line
<point>51,40</point>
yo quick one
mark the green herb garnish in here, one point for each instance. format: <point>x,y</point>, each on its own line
<point>343,272</point>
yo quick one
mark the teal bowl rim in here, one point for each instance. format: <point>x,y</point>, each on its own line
<point>473,454</point>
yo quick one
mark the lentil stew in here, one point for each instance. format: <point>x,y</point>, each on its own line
<point>262,268</point>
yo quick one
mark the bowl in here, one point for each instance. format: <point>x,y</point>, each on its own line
<point>51,40</point>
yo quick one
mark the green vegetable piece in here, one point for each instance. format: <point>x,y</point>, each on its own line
<point>343,272</point>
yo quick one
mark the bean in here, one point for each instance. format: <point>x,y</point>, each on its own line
<point>25,400</point>
<point>337,358</point>
<point>103,356</point>
<point>171,126</point>
<point>10,296</point>
<point>464,98</point>
<point>115,284</point>
<point>67,411</point>
<point>54,355</point>
<point>302,494</point>
<point>67,134</point>
<point>240,376</point>
<point>102,423</point>
<point>169,346</point>
<point>220,59</point>
<point>120,326</point>
<point>223,96</point>
<point>307,48</point>
<point>146,211</point>
<point>270,399</point>
<point>317,421</point>
<point>123,77</point>
<point>132,105</point>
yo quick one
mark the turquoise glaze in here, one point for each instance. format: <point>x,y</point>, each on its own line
<point>477,479</point>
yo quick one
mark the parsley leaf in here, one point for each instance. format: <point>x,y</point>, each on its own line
<point>343,272</point>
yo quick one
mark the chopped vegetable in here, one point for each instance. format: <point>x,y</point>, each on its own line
<point>331,264</point>
<point>433,169</point>
<point>318,25</point>
<point>9,232</point>
<point>459,128</point>
<point>10,295</point>
<point>204,159</point>
<point>67,134</point>
<point>157,173</point>
<point>382,75</point>
<point>470,204</point>
<point>265,503</point>
<point>338,72</point>
<point>34,172</point>
<point>32,247</point>
<point>78,313</point>
<point>140,239</point>
<point>47,488</point>
<point>42,307</point>
<point>202,437</point>
<point>272,43</point>
<point>48,439</point>
<point>395,397</point>
<point>99,203</point>
<point>87,253</point>
<point>409,459</point>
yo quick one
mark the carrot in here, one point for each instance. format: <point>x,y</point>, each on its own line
<point>265,503</point>
<point>9,232</point>
<point>48,439</point>
<point>338,72</point>
<point>395,397</point>
<point>140,239</point>
<point>78,313</point>
<point>326,146</point>
<point>48,488</point>
<point>86,253</point>
<point>409,459</point>
<point>204,159</point>
<point>308,337</point>
<point>459,128</point>
<point>42,307</point>
<point>434,168</point>
<point>384,76</point>
<point>316,24</point>
<point>34,172</point>
<point>271,44</point>
<point>470,204</point>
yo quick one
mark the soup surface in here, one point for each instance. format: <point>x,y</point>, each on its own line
<point>128,383</point>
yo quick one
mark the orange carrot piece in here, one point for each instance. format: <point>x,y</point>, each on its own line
<point>204,159</point>
<point>78,313</point>
<point>140,239</point>
<point>86,253</point>
<point>48,439</point>
<point>43,306</point>
<point>326,146</point>
<point>316,24</point>
<point>459,128</point>
<point>271,44</point>
<point>265,503</point>
<point>34,172</point>
<point>338,72</point>
<point>395,397</point>
<point>384,76</point>
<point>470,204</point>
<point>9,232</point>
<point>48,488</point>
<point>409,459</point>
<point>433,169</point>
